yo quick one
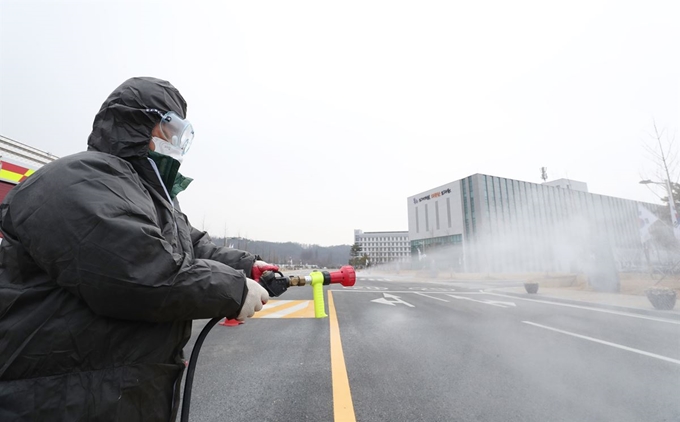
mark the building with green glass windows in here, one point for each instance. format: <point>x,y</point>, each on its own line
<point>485,223</point>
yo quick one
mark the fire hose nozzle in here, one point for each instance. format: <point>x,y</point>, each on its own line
<point>276,283</point>
<point>345,276</point>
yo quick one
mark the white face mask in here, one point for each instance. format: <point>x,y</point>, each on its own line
<point>166,148</point>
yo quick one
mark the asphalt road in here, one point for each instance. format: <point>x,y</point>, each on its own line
<point>413,351</point>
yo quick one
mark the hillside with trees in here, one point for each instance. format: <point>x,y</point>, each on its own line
<point>286,253</point>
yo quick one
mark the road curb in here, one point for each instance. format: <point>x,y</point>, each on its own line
<point>648,312</point>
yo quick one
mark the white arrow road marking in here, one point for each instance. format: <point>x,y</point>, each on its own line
<point>486,302</point>
<point>607,343</point>
<point>395,300</point>
<point>383,301</point>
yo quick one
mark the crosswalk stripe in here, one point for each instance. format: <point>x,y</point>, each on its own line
<point>287,309</point>
<point>275,303</point>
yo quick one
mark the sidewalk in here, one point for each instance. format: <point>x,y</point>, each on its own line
<point>614,301</point>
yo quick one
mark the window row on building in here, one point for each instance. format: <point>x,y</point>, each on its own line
<point>383,247</point>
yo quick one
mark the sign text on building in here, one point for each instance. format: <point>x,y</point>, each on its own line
<point>431,196</point>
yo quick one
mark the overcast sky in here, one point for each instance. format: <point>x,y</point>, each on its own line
<point>315,118</point>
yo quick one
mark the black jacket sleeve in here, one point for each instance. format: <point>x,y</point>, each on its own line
<point>92,227</point>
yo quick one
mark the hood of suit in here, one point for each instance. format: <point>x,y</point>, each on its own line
<point>123,126</point>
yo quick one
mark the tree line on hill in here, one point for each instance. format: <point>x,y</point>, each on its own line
<point>290,253</point>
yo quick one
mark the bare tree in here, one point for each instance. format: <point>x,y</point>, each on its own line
<point>663,154</point>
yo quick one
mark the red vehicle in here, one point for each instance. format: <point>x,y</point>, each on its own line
<point>17,162</point>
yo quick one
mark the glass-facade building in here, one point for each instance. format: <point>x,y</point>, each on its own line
<point>495,224</point>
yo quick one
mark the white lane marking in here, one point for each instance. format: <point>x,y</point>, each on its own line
<point>275,303</point>
<point>365,288</point>
<point>432,289</point>
<point>486,302</point>
<point>288,311</point>
<point>606,311</point>
<point>350,289</point>
<point>432,297</point>
<point>499,302</point>
<point>618,346</point>
<point>392,300</point>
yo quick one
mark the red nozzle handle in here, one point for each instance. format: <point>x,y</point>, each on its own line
<point>345,276</point>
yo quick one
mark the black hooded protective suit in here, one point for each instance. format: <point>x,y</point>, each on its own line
<point>100,277</point>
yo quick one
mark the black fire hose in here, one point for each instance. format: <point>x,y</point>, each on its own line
<point>191,368</point>
<point>275,283</point>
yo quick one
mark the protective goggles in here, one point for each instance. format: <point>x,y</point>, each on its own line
<point>175,130</point>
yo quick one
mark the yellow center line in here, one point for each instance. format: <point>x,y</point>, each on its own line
<point>343,409</point>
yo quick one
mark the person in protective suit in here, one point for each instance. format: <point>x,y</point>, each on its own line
<point>101,274</point>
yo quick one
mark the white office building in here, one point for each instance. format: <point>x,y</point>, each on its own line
<point>484,223</point>
<point>384,247</point>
